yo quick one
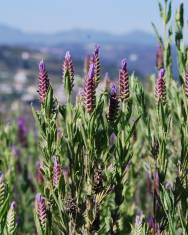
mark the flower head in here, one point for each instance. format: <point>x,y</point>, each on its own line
<point>11,218</point>
<point>95,59</point>
<point>160,87</point>
<point>57,172</point>
<point>124,80</point>
<point>43,81</point>
<point>68,72</point>
<point>41,210</point>
<point>89,90</point>
<point>114,104</point>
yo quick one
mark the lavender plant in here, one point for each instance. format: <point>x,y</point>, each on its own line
<point>113,162</point>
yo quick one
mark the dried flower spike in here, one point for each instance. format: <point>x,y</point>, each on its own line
<point>160,87</point>
<point>41,210</point>
<point>89,90</point>
<point>123,81</point>
<point>43,81</point>
<point>68,72</point>
<point>186,82</point>
<point>114,104</point>
<point>159,58</point>
<point>11,219</point>
<point>57,172</point>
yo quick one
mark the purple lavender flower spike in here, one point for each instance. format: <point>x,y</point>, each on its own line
<point>161,73</point>
<point>89,90</point>
<point>42,66</point>
<point>41,210</point>
<point>22,132</point>
<point>95,59</point>
<point>124,81</point>
<point>160,87</point>
<point>97,47</point>
<point>91,72</point>
<point>57,172</point>
<point>43,81</point>
<point>67,55</point>
<point>114,104</point>
<point>113,90</point>
<point>68,71</point>
<point>124,64</point>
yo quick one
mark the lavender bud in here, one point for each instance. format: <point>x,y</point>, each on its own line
<point>114,104</point>
<point>43,81</point>
<point>11,218</point>
<point>186,82</point>
<point>68,72</point>
<point>160,87</point>
<point>89,90</point>
<point>95,59</point>
<point>124,80</point>
<point>41,210</point>
<point>57,172</point>
<point>159,58</point>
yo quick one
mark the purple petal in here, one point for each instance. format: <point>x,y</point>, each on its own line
<point>124,64</point>
<point>91,72</point>
<point>42,66</point>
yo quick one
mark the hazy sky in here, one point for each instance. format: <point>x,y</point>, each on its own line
<point>57,15</point>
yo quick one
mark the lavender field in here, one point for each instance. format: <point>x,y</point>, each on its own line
<point>97,153</point>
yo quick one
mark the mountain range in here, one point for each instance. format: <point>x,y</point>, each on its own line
<point>12,36</point>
